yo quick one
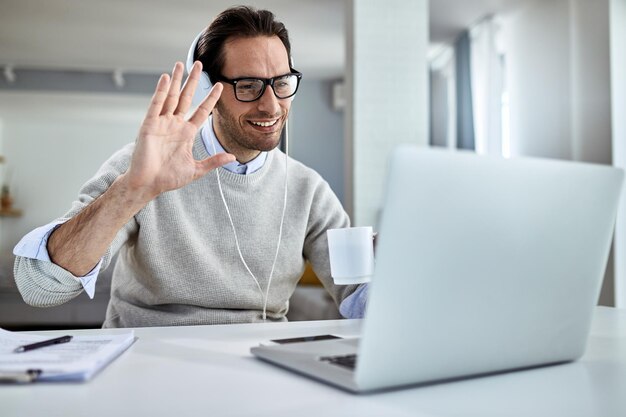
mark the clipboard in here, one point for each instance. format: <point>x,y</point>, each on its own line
<point>18,377</point>
<point>77,360</point>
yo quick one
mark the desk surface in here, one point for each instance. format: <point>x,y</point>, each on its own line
<point>208,370</point>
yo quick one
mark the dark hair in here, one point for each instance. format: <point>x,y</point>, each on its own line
<point>236,22</point>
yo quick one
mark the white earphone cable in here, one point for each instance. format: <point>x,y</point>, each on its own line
<point>280,233</point>
<point>282,220</point>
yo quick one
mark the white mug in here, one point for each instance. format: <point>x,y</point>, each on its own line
<point>351,252</point>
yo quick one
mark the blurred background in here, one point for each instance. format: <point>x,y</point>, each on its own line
<point>540,78</point>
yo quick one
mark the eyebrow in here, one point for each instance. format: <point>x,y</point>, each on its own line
<point>257,77</point>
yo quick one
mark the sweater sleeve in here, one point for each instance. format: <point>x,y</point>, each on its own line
<point>326,213</point>
<point>45,284</point>
<point>35,245</point>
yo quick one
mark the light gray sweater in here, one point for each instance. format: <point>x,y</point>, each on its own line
<point>178,263</point>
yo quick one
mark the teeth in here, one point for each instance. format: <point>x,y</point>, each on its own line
<point>265,124</point>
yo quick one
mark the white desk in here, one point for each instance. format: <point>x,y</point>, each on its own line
<point>208,371</point>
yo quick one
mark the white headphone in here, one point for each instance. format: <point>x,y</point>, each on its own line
<point>204,84</point>
<point>203,88</point>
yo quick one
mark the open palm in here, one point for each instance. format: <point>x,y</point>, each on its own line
<point>163,158</point>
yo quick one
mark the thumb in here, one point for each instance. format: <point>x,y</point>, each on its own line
<point>212,162</point>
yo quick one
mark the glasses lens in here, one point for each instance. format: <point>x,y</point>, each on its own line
<point>285,86</point>
<point>248,90</point>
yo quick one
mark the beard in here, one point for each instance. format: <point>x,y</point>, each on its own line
<point>236,136</point>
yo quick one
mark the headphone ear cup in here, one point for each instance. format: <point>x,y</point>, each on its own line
<point>202,89</point>
<point>204,83</point>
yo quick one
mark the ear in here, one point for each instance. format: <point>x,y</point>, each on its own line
<point>204,84</point>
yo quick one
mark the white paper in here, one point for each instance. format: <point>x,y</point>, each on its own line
<point>78,359</point>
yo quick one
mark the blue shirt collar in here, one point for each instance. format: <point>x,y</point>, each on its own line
<point>209,138</point>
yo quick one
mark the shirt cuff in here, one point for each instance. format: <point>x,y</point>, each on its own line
<point>89,281</point>
<point>353,307</point>
<point>35,246</point>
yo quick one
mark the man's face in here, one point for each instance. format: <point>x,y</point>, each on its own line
<point>237,123</point>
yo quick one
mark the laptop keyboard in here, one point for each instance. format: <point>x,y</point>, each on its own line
<point>346,361</point>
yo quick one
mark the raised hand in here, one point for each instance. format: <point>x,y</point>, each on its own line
<point>163,158</point>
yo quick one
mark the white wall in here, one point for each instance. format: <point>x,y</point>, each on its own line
<point>558,69</point>
<point>386,44</point>
<point>591,86</point>
<point>53,143</point>
<point>618,80</point>
<point>536,41</point>
<point>558,77</point>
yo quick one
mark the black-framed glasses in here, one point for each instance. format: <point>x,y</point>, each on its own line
<point>249,89</point>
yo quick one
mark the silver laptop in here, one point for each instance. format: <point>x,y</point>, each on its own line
<point>483,265</point>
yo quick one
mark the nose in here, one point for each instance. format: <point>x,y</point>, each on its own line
<point>268,103</point>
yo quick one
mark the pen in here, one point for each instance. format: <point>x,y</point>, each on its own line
<point>55,341</point>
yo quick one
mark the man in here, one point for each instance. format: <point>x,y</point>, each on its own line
<point>204,236</point>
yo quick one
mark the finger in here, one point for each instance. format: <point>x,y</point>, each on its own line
<point>171,102</point>
<point>189,89</point>
<point>158,98</point>
<point>206,107</point>
<point>213,162</point>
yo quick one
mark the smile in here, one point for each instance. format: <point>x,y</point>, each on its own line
<point>265,124</point>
